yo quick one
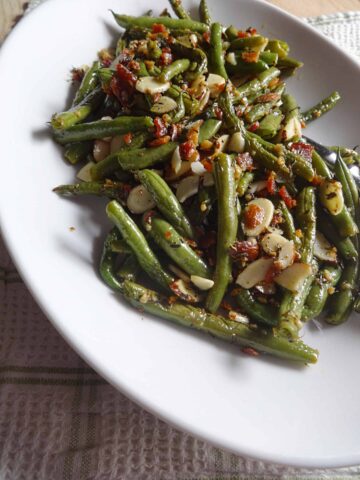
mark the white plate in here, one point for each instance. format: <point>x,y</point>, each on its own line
<point>258,407</point>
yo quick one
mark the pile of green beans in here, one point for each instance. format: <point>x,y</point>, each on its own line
<point>224,219</point>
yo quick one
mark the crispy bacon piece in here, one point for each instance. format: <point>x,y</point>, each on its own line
<point>166,57</point>
<point>160,127</point>
<point>244,250</point>
<point>284,194</point>
<point>159,141</point>
<point>245,161</point>
<point>187,150</point>
<point>254,126</point>
<point>303,149</point>
<point>242,34</point>
<point>250,57</point>
<point>126,77</point>
<point>159,28</point>
<point>270,183</point>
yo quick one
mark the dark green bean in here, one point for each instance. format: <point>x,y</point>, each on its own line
<point>179,10</point>
<point>340,304</point>
<point>216,59</point>
<point>88,83</point>
<point>204,12</point>
<point>175,68</point>
<point>117,190</point>
<point>139,158</point>
<point>107,262</point>
<point>209,129</point>
<point>128,21</point>
<point>76,152</point>
<point>320,108</point>
<point>259,312</point>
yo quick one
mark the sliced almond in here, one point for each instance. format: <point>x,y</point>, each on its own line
<point>116,144</point>
<point>292,130</point>
<point>216,84</point>
<point>293,277</point>
<point>202,283</point>
<point>286,255</point>
<point>139,200</point>
<point>221,143</point>
<point>272,243</point>
<point>257,186</point>
<point>84,173</point>
<point>331,196</point>
<point>184,291</point>
<point>198,168</point>
<point>101,150</point>
<point>236,143</point>
<point>231,58</point>
<point>267,213</point>
<point>254,273</point>
<point>176,160</point>
<point>185,168</point>
<point>323,250</point>
<point>187,187</point>
<point>151,85</point>
<point>164,105</point>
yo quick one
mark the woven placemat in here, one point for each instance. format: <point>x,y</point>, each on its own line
<point>60,420</point>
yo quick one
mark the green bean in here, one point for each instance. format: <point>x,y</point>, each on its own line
<point>180,111</point>
<point>130,269</point>
<point>102,129</point>
<point>117,190</point>
<point>278,46</point>
<point>320,166</point>
<point>349,155</point>
<point>255,42</point>
<point>292,303</point>
<point>88,84</point>
<point>110,164</point>
<point>217,326</point>
<point>216,59</point>
<point>166,201</point>
<point>175,68</point>
<point>174,245</point>
<point>289,63</point>
<point>128,21</point>
<point>179,10</point>
<point>78,112</point>
<point>257,84</point>
<point>204,12</point>
<point>270,125</point>
<point>292,127</point>
<point>202,205</point>
<point>288,225</point>
<point>343,222</point>
<point>190,103</point>
<point>76,152</point>
<point>340,304</point>
<point>231,33</point>
<point>244,183</point>
<point>243,67</point>
<point>195,54</point>
<point>258,111</point>
<point>120,45</point>
<point>344,245</point>
<point>139,158</point>
<point>105,76</point>
<point>350,191</point>
<point>259,312</point>
<point>232,121</point>
<point>269,58</point>
<point>107,261</point>
<point>138,244</point>
<point>320,108</point>
<point>209,129</point>
<point>227,228</point>
<point>319,291</point>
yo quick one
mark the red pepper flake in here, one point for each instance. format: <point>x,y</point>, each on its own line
<point>270,183</point>
<point>77,74</point>
<point>254,126</point>
<point>250,351</point>
<point>206,36</point>
<point>134,65</point>
<point>160,127</point>
<point>250,57</point>
<point>166,56</point>
<point>303,149</point>
<point>242,34</point>
<point>116,89</point>
<point>252,31</point>
<point>187,150</point>
<point>128,138</point>
<point>253,216</point>
<point>284,194</point>
<point>167,234</point>
<point>159,141</point>
<point>245,161</point>
<point>244,250</point>
<point>158,28</point>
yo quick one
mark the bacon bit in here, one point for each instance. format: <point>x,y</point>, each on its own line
<point>172,299</point>
<point>167,234</point>
<point>254,126</point>
<point>250,57</point>
<point>160,128</point>
<point>274,82</point>
<point>206,36</point>
<point>268,97</point>
<point>251,30</point>
<point>284,194</point>
<point>134,65</point>
<point>119,92</point>
<point>173,131</point>
<point>317,180</point>
<point>187,150</point>
<point>148,215</point>
<point>126,76</point>
<point>226,306</point>
<point>159,141</point>
<point>158,28</point>
<point>245,161</point>
<point>250,351</point>
<point>128,138</point>
<point>166,56</point>
<point>77,74</point>
<point>106,57</point>
<point>207,165</point>
<point>277,219</point>
<point>270,183</point>
<point>242,34</point>
<point>253,216</point>
<point>244,250</point>
<point>218,113</point>
<point>271,273</point>
<point>303,149</point>
<point>299,233</point>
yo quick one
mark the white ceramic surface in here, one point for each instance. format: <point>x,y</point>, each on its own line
<point>258,407</point>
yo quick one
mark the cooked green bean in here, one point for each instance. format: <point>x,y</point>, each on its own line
<point>117,190</point>
<point>107,267</point>
<point>264,314</point>
<point>139,158</point>
<point>179,9</point>
<point>340,304</point>
<point>216,59</point>
<point>320,108</point>
<point>209,129</point>
<point>88,83</point>
<point>128,21</point>
<point>76,152</point>
<point>204,12</point>
<point>227,229</point>
<point>179,66</point>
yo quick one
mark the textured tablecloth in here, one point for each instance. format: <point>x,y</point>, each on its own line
<point>59,420</point>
